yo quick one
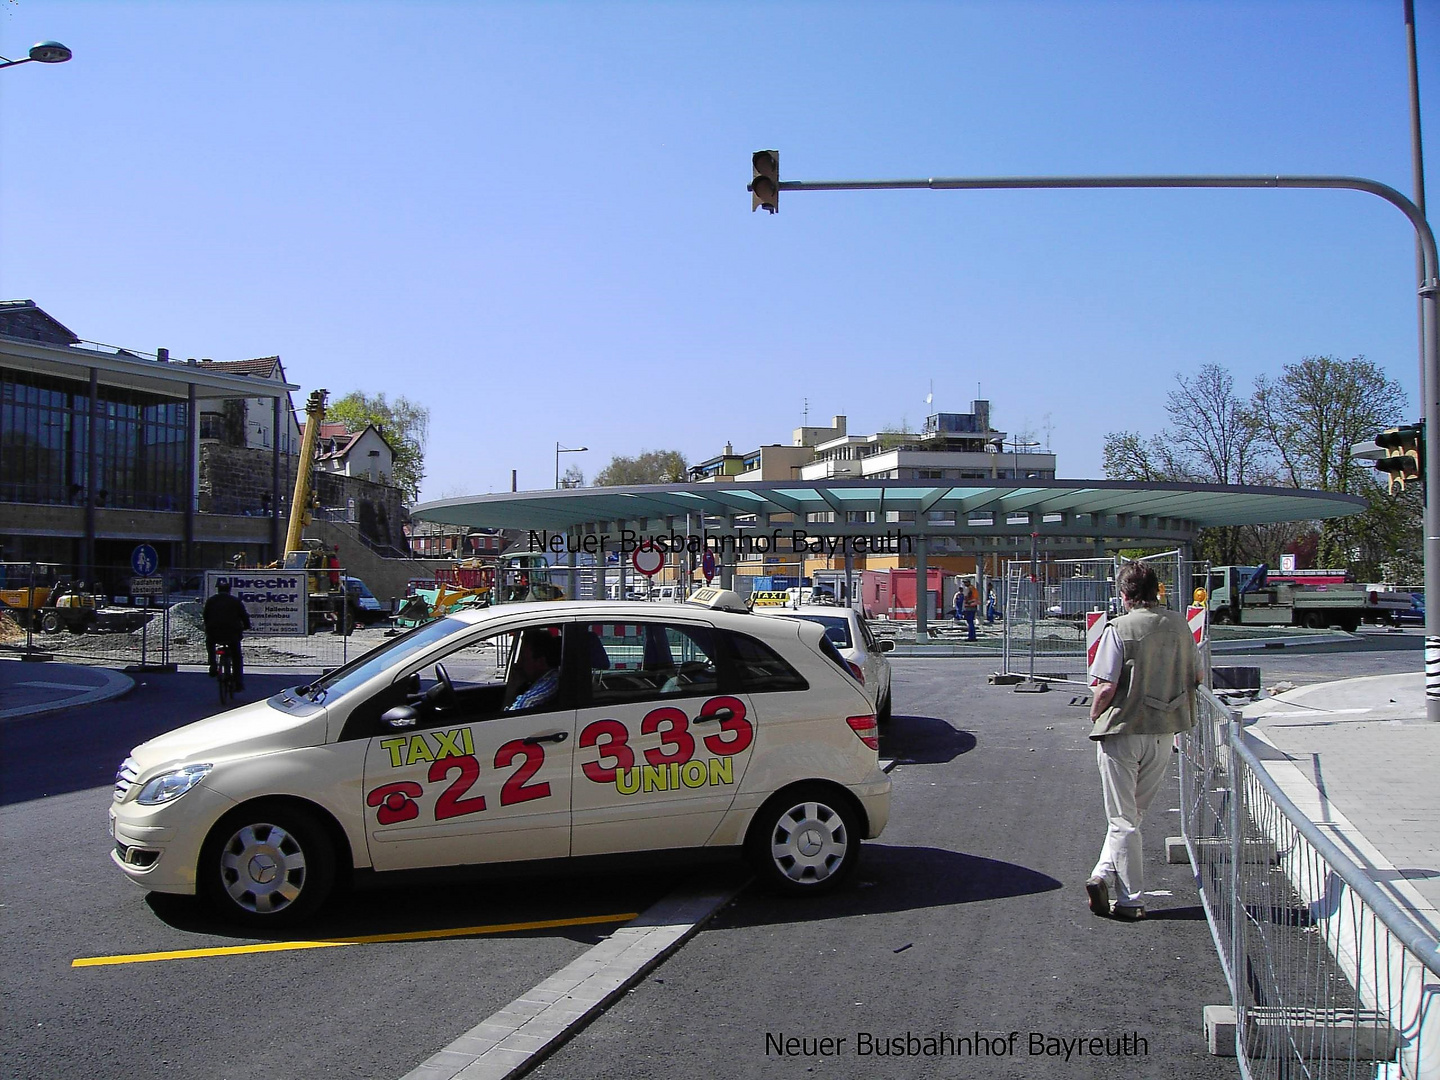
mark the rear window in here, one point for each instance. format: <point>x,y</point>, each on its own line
<point>762,670</point>
<point>837,628</point>
<point>828,648</point>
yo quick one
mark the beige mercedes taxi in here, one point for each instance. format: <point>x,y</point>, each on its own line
<point>518,733</point>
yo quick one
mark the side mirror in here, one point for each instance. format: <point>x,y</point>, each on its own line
<point>401,716</point>
<point>885,645</point>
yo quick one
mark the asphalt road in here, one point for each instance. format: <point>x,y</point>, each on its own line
<point>966,917</point>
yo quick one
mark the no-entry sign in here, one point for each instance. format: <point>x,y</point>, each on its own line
<point>647,560</point>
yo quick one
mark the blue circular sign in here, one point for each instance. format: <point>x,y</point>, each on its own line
<point>144,560</point>
<point>707,564</point>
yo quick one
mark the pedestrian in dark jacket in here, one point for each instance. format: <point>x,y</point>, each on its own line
<point>226,620</point>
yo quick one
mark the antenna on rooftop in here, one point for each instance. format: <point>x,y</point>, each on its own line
<point>805,416</point>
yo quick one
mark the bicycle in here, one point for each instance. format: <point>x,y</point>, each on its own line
<point>225,673</point>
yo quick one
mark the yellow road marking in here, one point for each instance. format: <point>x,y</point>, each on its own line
<point>365,939</point>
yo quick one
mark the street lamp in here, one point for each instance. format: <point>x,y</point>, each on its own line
<point>42,52</point>
<point>1016,445</point>
<point>565,450</point>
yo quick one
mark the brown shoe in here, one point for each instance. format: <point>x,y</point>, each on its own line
<point>1099,893</point>
<point>1129,913</point>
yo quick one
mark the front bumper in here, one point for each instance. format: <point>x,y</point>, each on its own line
<point>158,847</point>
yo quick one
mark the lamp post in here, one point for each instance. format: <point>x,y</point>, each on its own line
<point>1016,445</point>
<point>42,52</point>
<point>1429,294</point>
<point>564,450</point>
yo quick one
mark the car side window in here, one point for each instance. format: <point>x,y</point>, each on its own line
<point>649,661</point>
<point>511,672</point>
<point>760,669</point>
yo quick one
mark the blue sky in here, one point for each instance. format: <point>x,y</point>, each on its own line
<point>532,217</point>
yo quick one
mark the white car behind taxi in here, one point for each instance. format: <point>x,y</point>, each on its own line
<point>856,643</point>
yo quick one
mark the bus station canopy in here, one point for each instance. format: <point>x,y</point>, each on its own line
<point>1100,509</point>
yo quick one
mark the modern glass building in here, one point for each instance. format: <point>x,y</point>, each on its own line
<point>99,452</point>
<point>141,441</point>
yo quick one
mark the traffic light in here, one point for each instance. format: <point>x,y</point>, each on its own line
<point>765,187</point>
<point>1404,458</point>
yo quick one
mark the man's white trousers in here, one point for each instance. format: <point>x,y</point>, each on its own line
<point>1132,767</point>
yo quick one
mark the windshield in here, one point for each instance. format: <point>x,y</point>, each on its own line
<point>837,628</point>
<point>392,654</point>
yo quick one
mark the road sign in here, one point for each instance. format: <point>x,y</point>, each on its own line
<point>647,560</point>
<point>144,560</point>
<point>707,565</point>
<point>147,586</point>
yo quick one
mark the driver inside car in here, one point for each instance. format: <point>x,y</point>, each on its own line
<point>539,664</point>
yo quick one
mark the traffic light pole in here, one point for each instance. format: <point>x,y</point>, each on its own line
<point>1429,326</point>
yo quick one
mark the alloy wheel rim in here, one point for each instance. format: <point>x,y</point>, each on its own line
<point>263,868</point>
<point>809,842</point>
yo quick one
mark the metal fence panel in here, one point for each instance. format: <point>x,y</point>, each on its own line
<point>1046,601</point>
<point>1328,977</point>
<point>119,620</point>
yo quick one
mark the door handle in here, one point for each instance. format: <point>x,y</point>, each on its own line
<point>718,714</point>
<point>559,736</point>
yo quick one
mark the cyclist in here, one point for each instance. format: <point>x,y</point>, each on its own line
<point>226,621</point>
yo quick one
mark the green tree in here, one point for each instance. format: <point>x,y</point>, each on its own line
<point>405,425</point>
<point>1311,415</point>
<point>649,467</point>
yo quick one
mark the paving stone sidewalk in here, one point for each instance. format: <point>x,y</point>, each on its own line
<point>1370,753</point>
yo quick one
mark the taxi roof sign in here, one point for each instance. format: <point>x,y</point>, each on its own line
<point>717,599</point>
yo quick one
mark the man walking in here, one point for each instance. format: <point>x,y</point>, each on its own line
<point>1145,671</point>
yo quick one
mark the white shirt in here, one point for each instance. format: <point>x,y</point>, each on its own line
<point>1109,659</point>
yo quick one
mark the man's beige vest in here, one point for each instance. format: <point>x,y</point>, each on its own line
<point>1156,693</point>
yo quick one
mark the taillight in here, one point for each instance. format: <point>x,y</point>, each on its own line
<point>866,728</point>
<point>855,670</point>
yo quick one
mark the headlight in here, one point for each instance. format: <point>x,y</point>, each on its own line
<point>171,785</point>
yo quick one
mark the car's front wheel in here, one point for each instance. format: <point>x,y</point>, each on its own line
<point>267,865</point>
<point>804,840</point>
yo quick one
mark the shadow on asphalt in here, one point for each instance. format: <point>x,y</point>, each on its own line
<point>923,740</point>
<point>893,878</point>
<point>413,904</point>
<point>81,748</point>
<point>1176,914</point>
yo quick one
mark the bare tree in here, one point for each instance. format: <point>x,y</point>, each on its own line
<point>1130,456</point>
<point>1213,432</point>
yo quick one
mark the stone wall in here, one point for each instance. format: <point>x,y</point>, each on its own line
<point>237,480</point>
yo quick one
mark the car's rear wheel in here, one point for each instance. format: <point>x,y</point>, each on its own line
<point>267,865</point>
<point>804,840</point>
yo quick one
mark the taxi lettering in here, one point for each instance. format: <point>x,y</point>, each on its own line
<point>693,774</point>
<point>398,802</point>
<point>412,749</point>
<point>671,766</point>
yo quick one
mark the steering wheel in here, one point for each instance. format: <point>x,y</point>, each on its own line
<point>444,689</point>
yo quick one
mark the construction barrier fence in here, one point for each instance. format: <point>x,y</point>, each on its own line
<point>1328,975</point>
<point>1046,601</point>
<point>117,618</point>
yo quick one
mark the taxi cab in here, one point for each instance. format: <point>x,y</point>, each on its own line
<point>517,733</point>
